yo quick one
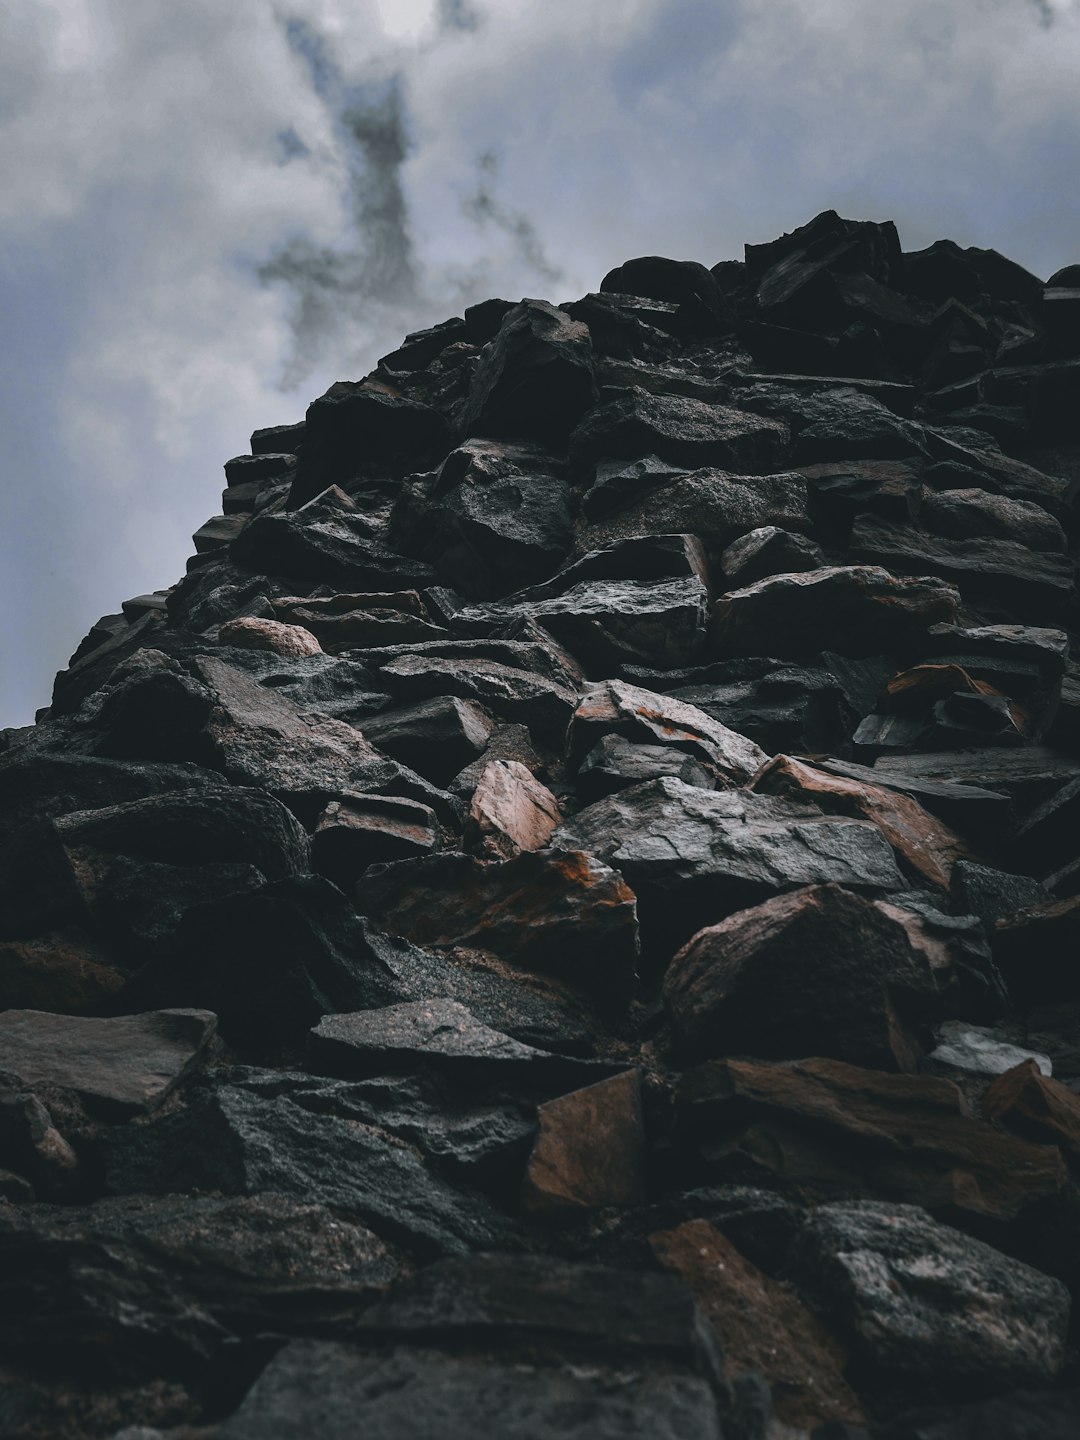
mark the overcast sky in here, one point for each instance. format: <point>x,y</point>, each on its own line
<point>211,209</point>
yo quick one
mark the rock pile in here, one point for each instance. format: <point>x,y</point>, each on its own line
<point>564,921</point>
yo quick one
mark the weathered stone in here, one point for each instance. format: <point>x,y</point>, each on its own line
<point>615,764</point>
<point>692,855</point>
<point>992,894</point>
<point>240,1143</point>
<point>362,830</point>
<point>430,1034</point>
<point>328,545</point>
<point>904,1138</point>
<point>1026,1100</point>
<point>511,811</point>
<point>679,430</point>
<point>337,1387</point>
<point>816,972</point>
<point>519,695</point>
<point>535,378</point>
<point>927,848</point>
<point>346,622</point>
<point>436,737</point>
<point>762,1326</point>
<point>614,707</point>
<point>768,550</point>
<point>254,634</point>
<point>66,972</point>
<point>921,1303</point>
<point>972,514</point>
<point>559,911</point>
<point>702,307</point>
<point>712,504</point>
<point>354,425</point>
<point>120,1067</point>
<point>590,1150</point>
<point>862,609</point>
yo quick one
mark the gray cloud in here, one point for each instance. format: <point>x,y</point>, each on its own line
<point>484,207</point>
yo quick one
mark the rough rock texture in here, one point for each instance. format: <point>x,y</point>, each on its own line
<point>564,920</point>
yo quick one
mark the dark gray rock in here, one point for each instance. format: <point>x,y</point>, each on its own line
<point>679,430</point>
<point>354,425</point>
<point>972,514</point>
<point>920,1301</point>
<point>615,763</point>
<point>120,1067</point>
<point>239,1143</point>
<point>400,1395</point>
<point>437,738</point>
<point>861,609</point>
<point>535,377</point>
<point>362,830</point>
<point>992,894</point>
<point>329,546</point>
<point>772,981</point>
<point>768,550</point>
<point>693,855</point>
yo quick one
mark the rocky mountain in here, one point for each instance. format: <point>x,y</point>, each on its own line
<point>565,921</point>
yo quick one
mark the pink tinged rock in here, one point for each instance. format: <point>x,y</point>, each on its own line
<point>511,811</point>
<point>251,633</point>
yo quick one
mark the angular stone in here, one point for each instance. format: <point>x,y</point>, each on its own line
<point>1047,837</point>
<point>590,1150</point>
<point>510,811</point>
<point>127,1066</point>
<point>363,830</point>
<point>768,550</point>
<point>614,707</point>
<point>430,1034</point>
<point>254,634</point>
<point>239,1143</point>
<point>817,972</point>
<point>346,622</point>
<point>712,504</point>
<point>535,378</point>
<point>435,737</point>
<point>973,514</point>
<point>681,431</point>
<point>904,1138</point>
<point>354,425</point>
<point>1028,775</point>
<point>861,609</point>
<point>927,847</point>
<point>615,764</point>
<point>488,520</point>
<point>923,1304</point>
<point>217,533</point>
<point>335,1388</point>
<point>1028,1102</point>
<point>762,1327</point>
<point>693,855</point>
<point>992,894</point>
<point>559,911</point>
<point>327,545</point>
<point>516,694</point>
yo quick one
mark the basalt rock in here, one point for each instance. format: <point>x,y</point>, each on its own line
<point>601,802</point>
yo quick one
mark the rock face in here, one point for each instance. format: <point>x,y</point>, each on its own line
<point>564,920</point>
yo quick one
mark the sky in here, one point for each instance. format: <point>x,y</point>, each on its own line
<point>211,211</point>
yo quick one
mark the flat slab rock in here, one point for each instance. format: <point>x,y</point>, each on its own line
<point>708,852</point>
<point>337,1391</point>
<point>124,1066</point>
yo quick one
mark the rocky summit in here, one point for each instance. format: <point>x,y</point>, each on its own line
<point>565,922</point>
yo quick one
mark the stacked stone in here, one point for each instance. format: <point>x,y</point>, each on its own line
<point>565,919</point>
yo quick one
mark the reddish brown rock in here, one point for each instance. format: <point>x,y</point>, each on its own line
<point>251,633</point>
<point>562,912</point>
<point>820,971</point>
<point>897,1137</point>
<point>65,971</point>
<point>1037,1107</point>
<point>763,1327</point>
<point>511,811</point>
<point>927,846</point>
<point>590,1151</point>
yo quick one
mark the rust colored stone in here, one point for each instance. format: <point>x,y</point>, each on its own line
<point>590,1151</point>
<point>1037,1107</point>
<point>762,1327</point>
<point>511,811</point>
